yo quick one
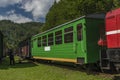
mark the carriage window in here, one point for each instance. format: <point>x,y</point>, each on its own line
<point>68,35</point>
<point>50,39</point>
<point>58,37</point>
<point>39,42</point>
<point>79,32</point>
<point>44,41</point>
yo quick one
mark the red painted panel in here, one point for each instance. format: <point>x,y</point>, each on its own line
<point>118,21</point>
<point>25,51</point>
<point>113,27</point>
<point>111,23</point>
<point>118,40</point>
<point>112,41</point>
<point>118,25</point>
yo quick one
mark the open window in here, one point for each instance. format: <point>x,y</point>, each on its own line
<point>58,37</point>
<point>39,42</point>
<point>68,35</point>
<point>44,41</point>
<point>50,39</point>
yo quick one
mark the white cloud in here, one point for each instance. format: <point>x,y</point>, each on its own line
<point>17,18</point>
<point>11,12</point>
<point>39,8</point>
<point>4,3</point>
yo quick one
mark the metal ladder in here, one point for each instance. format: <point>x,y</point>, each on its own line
<point>104,60</point>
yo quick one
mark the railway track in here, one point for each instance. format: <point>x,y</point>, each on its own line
<point>73,67</point>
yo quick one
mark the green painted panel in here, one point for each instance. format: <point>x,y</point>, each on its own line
<point>64,50</point>
<point>93,35</point>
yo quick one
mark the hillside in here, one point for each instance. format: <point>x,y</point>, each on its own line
<point>14,33</point>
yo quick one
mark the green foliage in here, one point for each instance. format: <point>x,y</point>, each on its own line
<point>116,3</point>
<point>14,33</point>
<point>67,10</point>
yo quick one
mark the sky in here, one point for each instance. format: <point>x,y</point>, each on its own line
<point>22,11</point>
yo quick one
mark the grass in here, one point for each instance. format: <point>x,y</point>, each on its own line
<point>31,71</point>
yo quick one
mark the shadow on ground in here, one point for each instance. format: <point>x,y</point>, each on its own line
<point>116,78</point>
<point>70,66</point>
<point>74,67</point>
<point>24,64</point>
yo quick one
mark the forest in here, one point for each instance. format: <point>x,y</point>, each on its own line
<point>61,12</point>
<point>14,32</point>
<point>66,10</point>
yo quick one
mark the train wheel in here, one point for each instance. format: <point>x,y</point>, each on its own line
<point>105,70</point>
<point>113,68</point>
<point>118,70</point>
<point>89,68</point>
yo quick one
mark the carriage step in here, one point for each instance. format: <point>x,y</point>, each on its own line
<point>105,68</point>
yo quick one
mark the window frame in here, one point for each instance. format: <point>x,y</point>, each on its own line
<point>58,37</point>
<point>67,33</point>
<point>50,39</point>
<point>39,41</point>
<point>44,40</point>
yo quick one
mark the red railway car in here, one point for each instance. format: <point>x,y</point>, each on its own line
<point>113,29</point>
<point>110,52</point>
<point>24,48</point>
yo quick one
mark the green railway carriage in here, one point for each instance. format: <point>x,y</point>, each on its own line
<point>74,41</point>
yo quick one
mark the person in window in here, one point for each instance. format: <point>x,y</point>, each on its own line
<point>11,57</point>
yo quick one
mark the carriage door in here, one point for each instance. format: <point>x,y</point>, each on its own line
<point>80,43</point>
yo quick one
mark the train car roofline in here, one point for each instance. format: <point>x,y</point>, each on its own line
<point>95,16</point>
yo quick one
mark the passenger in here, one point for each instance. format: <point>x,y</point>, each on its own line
<point>11,57</point>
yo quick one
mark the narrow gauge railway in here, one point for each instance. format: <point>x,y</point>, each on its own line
<point>88,40</point>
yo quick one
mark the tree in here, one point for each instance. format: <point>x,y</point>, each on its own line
<point>67,10</point>
<point>116,3</point>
